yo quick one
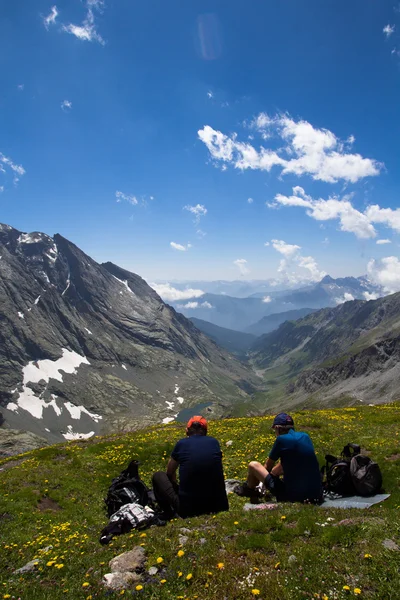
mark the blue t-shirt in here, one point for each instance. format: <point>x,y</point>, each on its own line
<point>301,473</point>
<point>201,477</point>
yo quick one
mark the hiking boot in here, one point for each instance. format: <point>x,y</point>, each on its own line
<point>245,491</point>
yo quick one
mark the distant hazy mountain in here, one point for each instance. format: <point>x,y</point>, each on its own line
<point>236,342</point>
<point>237,288</point>
<point>241,313</point>
<point>85,346</point>
<point>271,322</point>
<point>346,354</point>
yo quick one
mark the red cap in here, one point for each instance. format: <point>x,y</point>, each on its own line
<point>197,419</point>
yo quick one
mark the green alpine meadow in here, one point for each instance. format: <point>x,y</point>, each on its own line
<point>52,513</point>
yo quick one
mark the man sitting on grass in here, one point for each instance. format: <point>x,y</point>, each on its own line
<point>296,478</point>
<point>201,488</point>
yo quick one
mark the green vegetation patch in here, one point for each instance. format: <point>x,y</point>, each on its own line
<point>51,511</point>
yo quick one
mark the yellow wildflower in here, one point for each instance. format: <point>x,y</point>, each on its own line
<point>85,584</point>
<point>277,565</point>
<point>180,573</point>
<point>236,523</point>
<point>189,577</point>
<point>138,587</point>
<point>283,517</point>
<point>367,555</point>
<point>180,553</point>
<point>220,565</point>
<point>163,581</point>
<point>255,592</point>
<point>346,588</point>
<point>160,559</point>
<point>357,591</point>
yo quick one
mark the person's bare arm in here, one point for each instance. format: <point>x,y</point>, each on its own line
<point>269,464</point>
<point>274,469</point>
<point>172,467</point>
<point>277,470</point>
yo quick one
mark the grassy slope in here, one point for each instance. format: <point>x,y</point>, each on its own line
<point>253,547</point>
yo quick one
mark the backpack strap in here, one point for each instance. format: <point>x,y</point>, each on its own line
<point>351,450</point>
<point>330,459</point>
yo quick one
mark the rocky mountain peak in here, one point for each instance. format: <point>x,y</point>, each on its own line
<point>83,344</point>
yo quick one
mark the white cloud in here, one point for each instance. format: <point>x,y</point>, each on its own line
<point>51,17</point>
<point>194,305</point>
<point>346,298</point>
<point>180,247</point>
<point>267,299</point>
<point>200,233</point>
<point>307,151</point>
<point>171,294</point>
<point>381,242</point>
<point>21,87</point>
<point>350,219</point>
<point>1,189</point>
<point>293,261</point>
<point>7,165</point>
<point>198,211</point>
<point>210,94</point>
<point>66,105</point>
<point>87,30</point>
<point>120,196</point>
<point>385,216</point>
<point>241,265</point>
<point>250,200</point>
<point>371,295</point>
<point>282,247</point>
<point>388,30</point>
<point>385,272</point>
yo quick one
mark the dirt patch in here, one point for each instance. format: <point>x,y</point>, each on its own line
<point>349,522</point>
<point>46,503</point>
<point>393,457</point>
<point>5,517</point>
<point>10,464</point>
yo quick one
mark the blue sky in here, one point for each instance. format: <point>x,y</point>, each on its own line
<point>205,105</point>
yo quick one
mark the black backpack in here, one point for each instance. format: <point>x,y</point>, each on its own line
<point>352,474</point>
<point>126,488</point>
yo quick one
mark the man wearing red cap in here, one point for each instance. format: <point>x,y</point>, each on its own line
<point>201,488</point>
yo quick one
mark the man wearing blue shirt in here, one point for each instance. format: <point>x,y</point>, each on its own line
<point>201,488</point>
<point>296,478</point>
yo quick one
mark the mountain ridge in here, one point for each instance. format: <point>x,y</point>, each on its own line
<point>84,344</point>
<point>348,353</point>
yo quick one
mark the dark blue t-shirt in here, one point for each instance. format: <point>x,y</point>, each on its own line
<point>301,474</point>
<point>201,477</point>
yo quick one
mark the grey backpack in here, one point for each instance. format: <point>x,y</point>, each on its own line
<point>365,475</point>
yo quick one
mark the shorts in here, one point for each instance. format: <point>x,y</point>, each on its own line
<point>276,487</point>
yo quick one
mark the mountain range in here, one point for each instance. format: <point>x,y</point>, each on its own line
<point>88,347</point>
<point>243,314</point>
<point>335,356</point>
